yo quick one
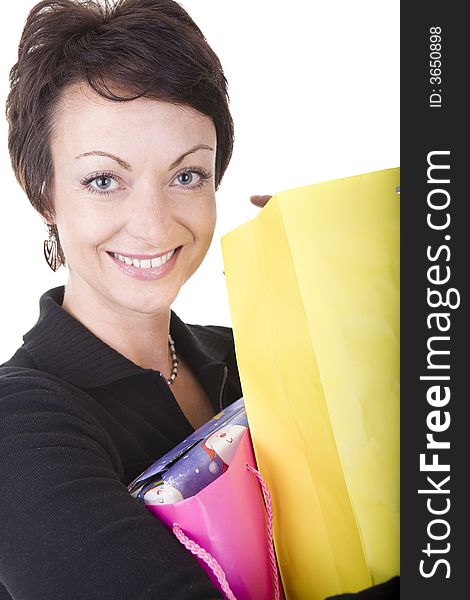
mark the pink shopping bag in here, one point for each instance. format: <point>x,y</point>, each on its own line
<point>228,521</point>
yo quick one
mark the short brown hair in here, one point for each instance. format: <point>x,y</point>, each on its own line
<point>149,48</point>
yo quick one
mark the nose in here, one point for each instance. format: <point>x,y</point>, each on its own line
<point>150,219</point>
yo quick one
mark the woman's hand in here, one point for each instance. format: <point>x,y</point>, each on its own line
<point>259,201</point>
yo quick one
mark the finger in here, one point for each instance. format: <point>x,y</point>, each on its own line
<point>260,201</point>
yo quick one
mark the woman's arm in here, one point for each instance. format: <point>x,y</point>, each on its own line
<point>389,590</point>
<point>70,529</point>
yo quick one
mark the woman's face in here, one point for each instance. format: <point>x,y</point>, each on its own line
<point>133,197</point>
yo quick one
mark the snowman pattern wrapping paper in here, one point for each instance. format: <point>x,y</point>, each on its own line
<point>194,463</point>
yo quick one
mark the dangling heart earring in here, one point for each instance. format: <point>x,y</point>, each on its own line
<point>51,251</point>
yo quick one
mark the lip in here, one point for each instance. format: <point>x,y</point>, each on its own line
<point>142,256</point>
<point>150,274</point>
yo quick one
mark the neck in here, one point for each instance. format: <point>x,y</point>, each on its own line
<point>140,337</point>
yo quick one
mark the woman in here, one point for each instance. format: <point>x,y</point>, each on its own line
<point>120,133</point>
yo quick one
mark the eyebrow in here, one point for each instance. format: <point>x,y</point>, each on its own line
<point>191,151</point>
<point>125,165</point>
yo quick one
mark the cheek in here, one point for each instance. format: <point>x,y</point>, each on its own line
<point>198,217</point>
<point>81,230</point>
<point>206,220</point>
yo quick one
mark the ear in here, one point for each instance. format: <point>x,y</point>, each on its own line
<point>47,215</point>
<point>46,209</point>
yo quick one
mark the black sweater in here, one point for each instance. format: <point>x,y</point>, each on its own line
<point>78,421</point>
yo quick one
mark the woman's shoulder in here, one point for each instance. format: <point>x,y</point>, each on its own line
<point>20,373</point>
<point>32,389</point>
<point>213,341</point>
<point>16,377</point>
<point>218,332</point>
<point>21,358</point>
<point>216,341</point>
<point>38,408</point>
<point>27,393</point>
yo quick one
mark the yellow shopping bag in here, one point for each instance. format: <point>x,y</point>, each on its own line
<point>313,284</point>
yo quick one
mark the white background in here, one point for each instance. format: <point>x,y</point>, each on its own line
<point>314,88</point>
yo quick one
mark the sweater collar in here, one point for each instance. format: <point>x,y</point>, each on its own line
<point>62,346</point>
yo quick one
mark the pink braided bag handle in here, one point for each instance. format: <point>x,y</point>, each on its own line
<point>212,563</point>
<point>269,525</point>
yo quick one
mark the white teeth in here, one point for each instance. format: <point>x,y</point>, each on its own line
<point>156,262</point>
<point>146,263</point>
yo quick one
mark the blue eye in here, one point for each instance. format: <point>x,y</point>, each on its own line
<point>103,182</point>
<point>192,178</point>
<point>186,178</point>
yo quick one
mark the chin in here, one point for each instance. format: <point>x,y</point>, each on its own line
<point>148,302</point>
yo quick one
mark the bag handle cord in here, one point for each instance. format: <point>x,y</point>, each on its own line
<point>213,564</point>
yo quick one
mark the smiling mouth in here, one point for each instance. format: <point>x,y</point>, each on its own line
<point>146,263</point>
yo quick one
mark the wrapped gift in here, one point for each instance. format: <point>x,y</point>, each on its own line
<point>206,490</point>
<point>194,463</point>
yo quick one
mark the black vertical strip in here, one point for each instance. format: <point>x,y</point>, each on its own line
<point>434,270</point>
